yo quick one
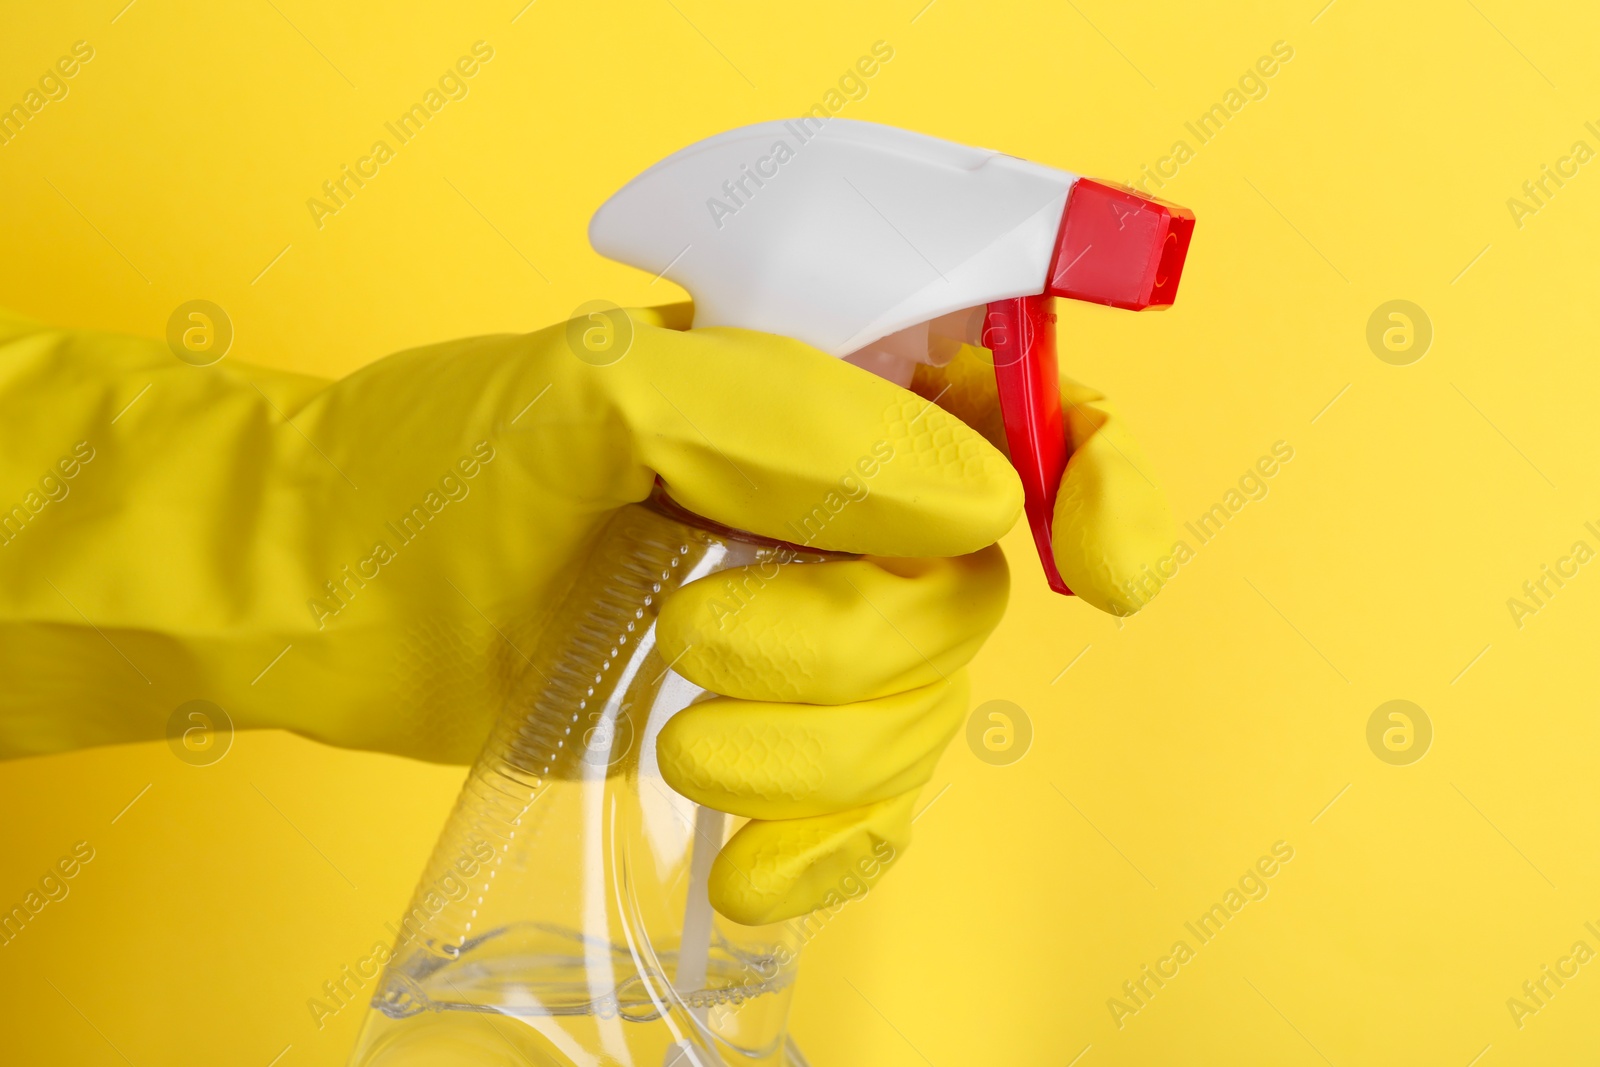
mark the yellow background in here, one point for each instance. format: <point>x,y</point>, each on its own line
<point>1173,753</point>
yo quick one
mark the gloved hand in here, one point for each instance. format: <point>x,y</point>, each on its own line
<point>1111,520</point>
<point>840,682</point>
<point>366,562</point>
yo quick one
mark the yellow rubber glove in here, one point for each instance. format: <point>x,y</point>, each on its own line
<point>841,682</point>
<point>842,685</point>
<point>365,562</point>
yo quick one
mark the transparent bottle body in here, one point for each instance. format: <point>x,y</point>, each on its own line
<point>562,918</point>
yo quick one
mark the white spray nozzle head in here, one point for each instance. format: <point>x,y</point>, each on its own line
<point>837,232</point>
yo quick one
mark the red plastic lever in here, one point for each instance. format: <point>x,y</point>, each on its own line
<point>1115,247</point>
<point>1021,332</point>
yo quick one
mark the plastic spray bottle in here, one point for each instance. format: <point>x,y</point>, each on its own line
<point>563,917</point>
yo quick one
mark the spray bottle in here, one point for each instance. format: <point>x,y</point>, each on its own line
<point>563,917</point>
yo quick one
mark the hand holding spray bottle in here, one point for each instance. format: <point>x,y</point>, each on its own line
<point>586,935</point>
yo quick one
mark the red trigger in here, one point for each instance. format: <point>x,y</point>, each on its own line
<point>1021,333</point>
<point>1135,264</point>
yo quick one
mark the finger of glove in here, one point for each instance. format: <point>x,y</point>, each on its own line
<point>837,632</point>
<point>766,760</point>
<point>965,387</point>
<point>1111,521</point>
<point>771,871</point>
<point>1112,525</point>
<point>770,435</point>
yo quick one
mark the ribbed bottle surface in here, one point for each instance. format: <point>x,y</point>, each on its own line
<point>559,728</point>
<point>556,897</point>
